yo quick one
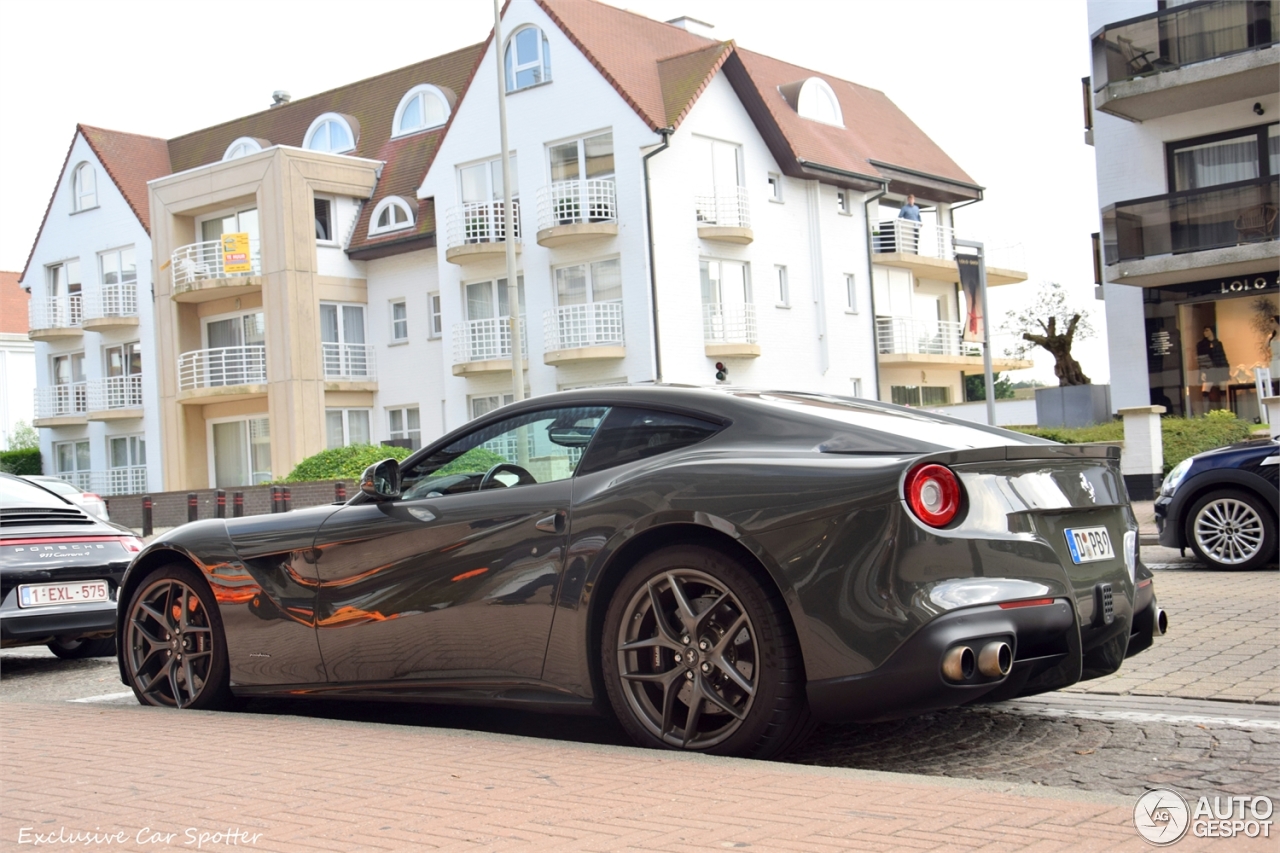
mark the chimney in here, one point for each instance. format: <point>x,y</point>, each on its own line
<point>693,25</point>
<point>280,97</point>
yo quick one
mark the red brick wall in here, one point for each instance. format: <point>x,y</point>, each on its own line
<point>13,304</point>
<point>169,509</point>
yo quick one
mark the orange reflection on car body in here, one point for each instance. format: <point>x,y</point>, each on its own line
<point>348,615</point>
<point>471,574</point>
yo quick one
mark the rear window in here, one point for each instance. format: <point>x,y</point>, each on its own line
<point>630,434</point>
<point>17,492</point>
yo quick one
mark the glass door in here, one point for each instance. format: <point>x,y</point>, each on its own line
<point>241,452</point>
<point>235,350</point>
<point>342,340</point>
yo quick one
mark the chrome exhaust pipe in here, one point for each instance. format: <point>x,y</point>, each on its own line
<point>1160,623</point>
<point>995,660</point>
<point>957,664</point>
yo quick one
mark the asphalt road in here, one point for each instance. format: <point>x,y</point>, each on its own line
<point>1161,720</point>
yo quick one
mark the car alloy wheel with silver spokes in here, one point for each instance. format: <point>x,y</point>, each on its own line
<point>1228,531</point>
<point>171,644</point>
<point>687,652</point>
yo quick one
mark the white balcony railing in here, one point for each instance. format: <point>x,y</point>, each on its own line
<point>112,300</point>
<point>573,326</point>
<point>56,312</point>
<point>113,481</point>
<point>200,261</point>
<point>60,401</point>
<point>576,203</point>
<point>911,336</point>
<point>936,241</point>
<point>214,368</point>
<point>349,361</point>
<point>483,340</point>
<point>725,207</point>
<point>729,324</point>
<point>115,392</point>
<point>479,222</point>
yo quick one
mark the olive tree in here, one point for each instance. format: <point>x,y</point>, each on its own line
<point>1052,324</point>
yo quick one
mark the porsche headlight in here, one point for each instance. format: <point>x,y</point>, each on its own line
<point>1171,482</point>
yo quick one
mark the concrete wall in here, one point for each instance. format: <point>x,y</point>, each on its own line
<point>1008,412</point>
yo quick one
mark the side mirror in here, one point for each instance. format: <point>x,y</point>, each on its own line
<point>381,480</point>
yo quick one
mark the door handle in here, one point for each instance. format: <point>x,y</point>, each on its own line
<point>553,523</point>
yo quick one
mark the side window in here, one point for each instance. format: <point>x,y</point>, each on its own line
<point>534,447</point>
<point>631,434</point>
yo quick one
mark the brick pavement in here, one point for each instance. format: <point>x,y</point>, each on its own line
<point>326,785</point>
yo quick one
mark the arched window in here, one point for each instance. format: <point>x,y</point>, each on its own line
<point>85,187</point>
<point>422,107</point>
<point>242,147</point>
<point>528,59</point>
<point>819,102</point>
<point>329,132</point>
<point>392,214</point>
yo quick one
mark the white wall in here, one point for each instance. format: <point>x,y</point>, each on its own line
<point>17,382</point>
<point>67,236</point>
<point>1008,412</point>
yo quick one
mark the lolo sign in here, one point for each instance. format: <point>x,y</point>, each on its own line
<point>235,253</point>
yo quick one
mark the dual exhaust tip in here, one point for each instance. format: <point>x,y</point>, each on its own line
<point>993,660</point>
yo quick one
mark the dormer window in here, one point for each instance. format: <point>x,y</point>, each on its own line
<point>242,147</point>
<point>391,214</point>
<point>330,132</point>
<point>85,187</point>
<point>818,102</point>
<point>528,59</point>
<point>421,108</point>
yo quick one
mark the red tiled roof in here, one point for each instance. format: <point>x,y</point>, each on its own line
<point>13,304</point>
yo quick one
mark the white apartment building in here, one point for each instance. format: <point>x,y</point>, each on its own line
<point>17,359</point>
<point>681,203</point>
<point>1185,103</point>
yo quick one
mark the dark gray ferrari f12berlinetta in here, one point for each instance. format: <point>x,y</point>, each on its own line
<point>719,568</point>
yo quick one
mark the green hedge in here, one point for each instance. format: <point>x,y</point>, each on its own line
<point>342,463</point>
<point>21,461</point>
<point>1182,437</point>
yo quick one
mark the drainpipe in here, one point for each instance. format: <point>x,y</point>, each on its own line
<point>871,286</point>
<point>665,132</point>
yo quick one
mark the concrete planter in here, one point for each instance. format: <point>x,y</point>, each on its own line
<point>1073,405</point>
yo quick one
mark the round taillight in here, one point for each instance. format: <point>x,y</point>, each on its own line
<point>933,493</point>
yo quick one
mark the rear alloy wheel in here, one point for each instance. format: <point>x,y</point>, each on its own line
<point>1231,530</point>
<point>174,651</point>
<point>70,649</point>
<point>697,656</point>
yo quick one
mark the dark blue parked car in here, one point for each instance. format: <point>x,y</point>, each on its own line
<point>1223,504</point>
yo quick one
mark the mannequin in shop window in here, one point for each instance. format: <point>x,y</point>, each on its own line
<point>1211,359</point>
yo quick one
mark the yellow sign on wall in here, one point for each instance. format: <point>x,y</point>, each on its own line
<point>235,253</point>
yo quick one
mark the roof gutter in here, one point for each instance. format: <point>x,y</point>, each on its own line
<point>871,284</point>
<point>818,167</point>
<point>938,178</point>
<point>665,132</point>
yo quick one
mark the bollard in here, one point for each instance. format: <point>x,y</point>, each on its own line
<point>220,510</point>
<point>146,516</point>
<point>276,498</point>
<point>340,492</point>
<point>237,505</point>
<point>193,506</point>
<point>286,499</point>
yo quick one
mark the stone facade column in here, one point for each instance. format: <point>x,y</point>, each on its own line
<point>1142,462</point>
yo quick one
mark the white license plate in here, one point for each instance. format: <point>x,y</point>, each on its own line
<point>1089,544</point>
<point>43,595</point>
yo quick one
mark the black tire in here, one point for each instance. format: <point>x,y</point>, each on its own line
<point>173,647</point>
<point>1231,529</point>
<point>758,710</point>
<point>69,649</point>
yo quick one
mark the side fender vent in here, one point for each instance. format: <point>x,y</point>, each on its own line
<point>1103,608</point>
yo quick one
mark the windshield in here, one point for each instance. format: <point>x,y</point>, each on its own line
<point>18,492</point>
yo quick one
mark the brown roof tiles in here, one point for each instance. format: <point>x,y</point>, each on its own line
<point>13,304</point>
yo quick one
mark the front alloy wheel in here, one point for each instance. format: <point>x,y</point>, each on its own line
<point>1231,530</point>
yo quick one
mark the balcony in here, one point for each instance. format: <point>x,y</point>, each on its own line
<point>729,331</point>
<point>572,211</point>
<point>113,306</point>
<point>911,342</point>
<point>56,317</point>
<point>928,250</point>
<point>115,398</point>
<point>1187,58</point>
<point>478,230</point>
<point>349,367</point>
<point>724,215</point>
<point>61,405</point>
<point>484,346</point>
<point>200,274</point>
<point>222,375</point>
<point>1199,234</point>
<point>113,481</point>
<point>576,333</point>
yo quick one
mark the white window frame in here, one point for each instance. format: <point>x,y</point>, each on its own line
<point>850,293</point>
<point>391,201</point>
<point>811,91</point>
<point>857,386</point>
<point>406,432</point>
<point>118,254</point>
<point>342,326</point>
<point>774,183</point>
<point>748,287</point>
<point>232,315</point>
<point>346,423</point>
<point>136,444</point>
<point>255,416</point>
<point>320,121</point>
<point>242,147</point>
<point>397,339</point>
<point>79,194</point>
<point>436,328</point>
<point>75,456</point>
<point>784,286</point>
<point>543,62</point>
<point>844,205</point>
<point>423,91</point>
<point>333,219</point>
<point>588,268</point>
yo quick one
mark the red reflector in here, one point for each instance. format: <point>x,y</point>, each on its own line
<point>1030,602</point>
<point>90,496</point>
<point>1146,582</point>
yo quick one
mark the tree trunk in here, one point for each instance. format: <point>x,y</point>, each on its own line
<point>1065,367</point>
